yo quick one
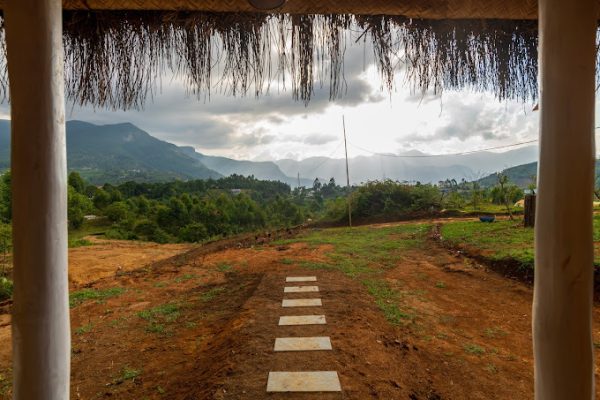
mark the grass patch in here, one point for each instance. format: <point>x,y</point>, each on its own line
<point>100,295</point>
<point>79,242</point>
<point>387,299</point>
<point>287,261</point>
<point>474,349</point>
<point>224,267</point>
<point>160,284</point>
<point>84,329</point>
<point>494,332</point>
<point>499,240</point>
<point>440,285</point>
<point>211,294</point>
<point>128,374</point>
<point>158,318</point>
<point>184,278</point>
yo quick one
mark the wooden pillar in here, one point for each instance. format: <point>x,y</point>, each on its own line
<point>564,365</point>
<point>40,325</point>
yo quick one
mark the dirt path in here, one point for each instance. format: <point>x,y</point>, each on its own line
<point>202,326</point>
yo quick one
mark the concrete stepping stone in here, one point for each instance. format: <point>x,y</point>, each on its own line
<point>302,320</point>
<point>300,289</point>
<point>303,343</point>
<point>301,279</point>
<point>313,381</point>
<point>301,303</point>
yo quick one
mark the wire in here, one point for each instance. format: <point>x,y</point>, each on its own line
<point>443,155</point>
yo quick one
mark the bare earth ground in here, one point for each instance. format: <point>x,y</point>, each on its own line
<point>202,326</point>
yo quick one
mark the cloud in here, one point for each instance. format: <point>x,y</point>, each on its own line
<point>319,138</point>
<point>468,116</point>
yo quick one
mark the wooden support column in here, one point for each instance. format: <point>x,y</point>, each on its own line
<point>40,325</point>
<point>562,335</point>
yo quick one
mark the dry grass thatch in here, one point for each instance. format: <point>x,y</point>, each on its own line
<point>115,58</point>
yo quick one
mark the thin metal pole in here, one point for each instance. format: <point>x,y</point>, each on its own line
<point>347,175</point>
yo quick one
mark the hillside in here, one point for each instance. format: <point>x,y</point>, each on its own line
<point>520,175</point>
<point>118,153</point>
<point>264,170</point>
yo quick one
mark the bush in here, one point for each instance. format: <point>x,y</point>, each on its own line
<point>6,288</point>
<point>195,232</point>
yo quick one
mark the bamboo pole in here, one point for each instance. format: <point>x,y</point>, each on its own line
<point>564,365</point>
<point>40,327</point>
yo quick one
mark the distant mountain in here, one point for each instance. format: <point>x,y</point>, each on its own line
<point>410,166</point>
<point>266,170</point>
<point>520,175</point>
<point>118,153</point>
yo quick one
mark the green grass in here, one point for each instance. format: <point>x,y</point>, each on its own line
<point>128,374</point>
<point>100,295</point>
<point>386,299</point>
<point>494,332</point>
<point>95,227</point>
<point>84,329</point>
<point>502,240</point>
<point>160,318</point>
<point>184,278</point>
<point>474,349</point>
<point>224,267</point>
<point>211,294</point>
<point>365,253</point>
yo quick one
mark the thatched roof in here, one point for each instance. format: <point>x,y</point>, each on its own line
<point>115,52</point>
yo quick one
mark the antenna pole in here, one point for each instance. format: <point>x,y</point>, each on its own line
<point>298,179</point>
<point>347,175</point>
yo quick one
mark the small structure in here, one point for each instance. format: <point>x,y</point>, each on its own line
<point>114,49</point>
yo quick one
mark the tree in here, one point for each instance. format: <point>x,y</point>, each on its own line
<point>476,195</point>
<point>76,182</point>
<point>506,192</point>
<point>78,205</point>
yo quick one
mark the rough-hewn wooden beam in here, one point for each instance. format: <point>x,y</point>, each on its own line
<point>433,9</point>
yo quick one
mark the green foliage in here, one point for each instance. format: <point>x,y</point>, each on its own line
<point>79,297</point>
<point>6,288</point>
<point>386,199</point>
<point>76,182</point>
<point>5,198</point>
<point>78,206</point>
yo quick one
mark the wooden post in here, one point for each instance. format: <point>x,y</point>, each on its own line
<point>40,325</point>
<point>562,335</point>
<point>529,211</point>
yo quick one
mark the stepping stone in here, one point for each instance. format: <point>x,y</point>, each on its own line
<point>300,289</point>
<point>302,343</point>
<point>301,279</point>
<point>301,303</point>
<point>302,320</point>
<point>313,381</point>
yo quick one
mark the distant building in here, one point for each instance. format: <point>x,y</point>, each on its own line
<point>235,192</point>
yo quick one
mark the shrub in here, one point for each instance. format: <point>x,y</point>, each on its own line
<point>6,288</point>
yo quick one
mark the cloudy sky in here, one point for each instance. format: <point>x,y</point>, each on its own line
<point>275,126</point>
